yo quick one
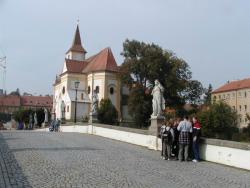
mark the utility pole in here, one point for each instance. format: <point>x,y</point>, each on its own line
<point>3,67</point>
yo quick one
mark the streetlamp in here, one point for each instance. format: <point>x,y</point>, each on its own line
<point>76,87</point>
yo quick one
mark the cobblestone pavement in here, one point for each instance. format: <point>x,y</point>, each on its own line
<point>43,159</point>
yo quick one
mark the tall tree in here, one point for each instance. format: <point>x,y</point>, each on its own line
<point>143,63</point>
<point>219,121</point>
<point>208,95</point>
<point>194,92</point>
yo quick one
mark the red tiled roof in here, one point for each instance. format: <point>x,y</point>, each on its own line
<point>10,100</point>
<point>74,66</point>
<point>103,61</point>
<point>234,85</point>
<point>77,44</point>
<point>38,101</point>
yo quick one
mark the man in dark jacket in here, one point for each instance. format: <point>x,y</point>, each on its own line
<point>196,139</point>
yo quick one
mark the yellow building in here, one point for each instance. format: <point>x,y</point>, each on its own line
<point>98,73</point>
<point>237,95</point>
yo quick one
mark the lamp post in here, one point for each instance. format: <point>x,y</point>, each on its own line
<point>76,87</point>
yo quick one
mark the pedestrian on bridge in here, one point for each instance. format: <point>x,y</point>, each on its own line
<point>185,129</point>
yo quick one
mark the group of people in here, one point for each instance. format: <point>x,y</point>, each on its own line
<point>55,125</point>
<point>180,139</point>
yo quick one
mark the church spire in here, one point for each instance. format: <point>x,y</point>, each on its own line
<point>77,43</point>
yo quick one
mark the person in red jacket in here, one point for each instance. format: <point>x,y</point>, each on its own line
<point>196,139</point>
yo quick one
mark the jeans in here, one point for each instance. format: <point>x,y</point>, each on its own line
<point>196,150</point>
<point>183,147</point>
<point>166,149</point>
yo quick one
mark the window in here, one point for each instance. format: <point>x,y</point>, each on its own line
<point>245,119</point>
<point>245,94</point>
<point>214,99</point>
<point>239,94</point>
<point>219,97</point>
<point>240,107</point>
<point>63,90</point>
<point>111,91</point>
<point>234,107</point>
<point>68,108</point>
<point>97,89</point>
<point>88,89</point>
<point>245,107</point>
<point>81,96</point>
<point>240,119</point>
<point>233,94</point>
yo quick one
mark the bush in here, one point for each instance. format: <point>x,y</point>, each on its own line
<point>107,113</point>
<point>5,117</point>
<point>219,121</point>
<point>22,115</point>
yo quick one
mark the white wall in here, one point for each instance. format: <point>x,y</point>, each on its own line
<point>75,56</point>
<point>228,156</point>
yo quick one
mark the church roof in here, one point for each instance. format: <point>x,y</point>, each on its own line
<point>77,44</point>
<point>74,66</point>
<point>103,61</point>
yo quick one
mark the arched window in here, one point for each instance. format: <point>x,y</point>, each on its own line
<point>97,89</point>
<point>111,91</point>
<point>81,96</point>
<point>63,90</point>
<point>88,89</point>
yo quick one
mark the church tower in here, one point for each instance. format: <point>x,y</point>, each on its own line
<point>76,52</point>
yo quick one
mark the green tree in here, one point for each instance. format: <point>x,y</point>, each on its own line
<point>22,115</point>
<point>17,92</point>
<point>4,117</point>
<point>219,121</point>
<point>194,92</point>
<point>139,105</point>
<point>143,63</point>
<point>107,113</point>
<point>40,116</point>
<point>208,95</point>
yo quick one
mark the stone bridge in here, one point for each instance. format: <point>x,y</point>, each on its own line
<point>44,159</point>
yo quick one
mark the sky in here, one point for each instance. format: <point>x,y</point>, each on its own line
<point>212,36</point>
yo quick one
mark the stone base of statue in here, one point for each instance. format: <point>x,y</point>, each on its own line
<point>93,118</point>
<point>156,123</point>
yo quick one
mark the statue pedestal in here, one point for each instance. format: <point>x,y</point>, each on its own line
<point>156,122</point>
<point>93,118</point>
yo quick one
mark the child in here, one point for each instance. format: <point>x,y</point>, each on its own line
<point>167,137</point>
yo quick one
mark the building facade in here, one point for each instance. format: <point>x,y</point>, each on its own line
<point>11,103</point>
<point>237,95</point>
<point>98,73</point>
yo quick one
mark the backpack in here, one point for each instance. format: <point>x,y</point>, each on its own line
<point>166,135</point>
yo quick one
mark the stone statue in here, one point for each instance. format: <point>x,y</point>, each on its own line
<point>158,101</point>
<point>35,119</point>
<point>94,103</point>
<point>62,110</point>
<point>30,121</point>
<point>46,116</point>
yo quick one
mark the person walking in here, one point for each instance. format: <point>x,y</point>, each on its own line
<point>185,128</point>
<point>167,136</point>
<point>196,139</point>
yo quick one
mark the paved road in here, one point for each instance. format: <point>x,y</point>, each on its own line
<point>40,159</point>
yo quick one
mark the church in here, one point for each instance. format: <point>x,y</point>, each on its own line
<point>82,75</point>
